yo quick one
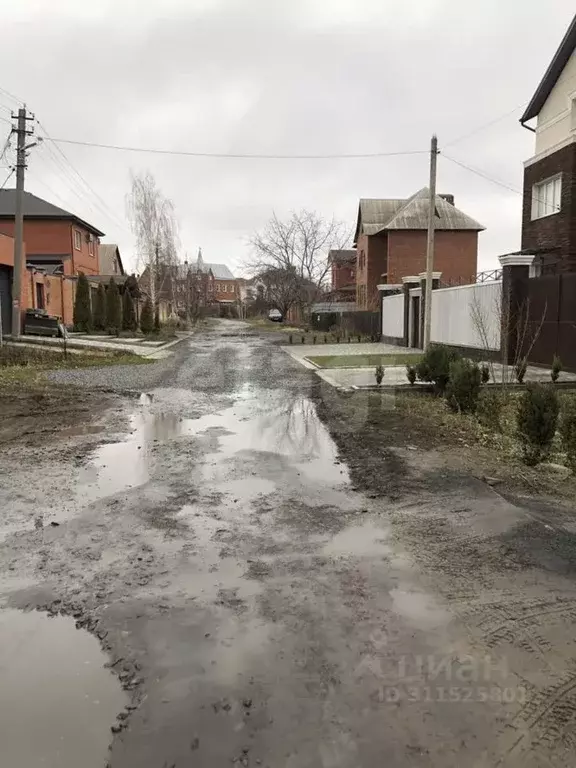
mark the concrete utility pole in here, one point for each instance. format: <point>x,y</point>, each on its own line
<point>21,148</point>
<point>430,243</point>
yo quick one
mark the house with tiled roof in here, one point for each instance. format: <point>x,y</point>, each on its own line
<point>390,242</point>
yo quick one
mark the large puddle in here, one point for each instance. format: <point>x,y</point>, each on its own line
<point>260,422</point>
<point>57,701</point>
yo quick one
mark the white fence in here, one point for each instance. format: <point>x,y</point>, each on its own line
<point>393,316</point>
<point>468,315</point>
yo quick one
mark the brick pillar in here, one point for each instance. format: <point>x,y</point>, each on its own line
<point>515,273</point>
<point>408,283</point>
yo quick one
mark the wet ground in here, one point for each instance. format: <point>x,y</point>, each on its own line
<point>272,582</point>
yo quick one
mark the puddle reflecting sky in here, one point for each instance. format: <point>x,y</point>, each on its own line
<point>57,701</point>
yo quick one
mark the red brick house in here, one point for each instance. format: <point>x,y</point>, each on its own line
<point>549,206</point>
<point>343,274</point>
<point>57,245</point>
<point>390,242</point>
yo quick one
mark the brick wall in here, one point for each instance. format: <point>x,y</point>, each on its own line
<point>225,290</point>
<point>371,263</point>
<point>557,231</point>
<point>43,236</point>
<point>6,251</point>
<point>455,255</point>
<point>343,274</point>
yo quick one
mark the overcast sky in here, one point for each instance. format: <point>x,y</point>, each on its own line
<point>264,76</point>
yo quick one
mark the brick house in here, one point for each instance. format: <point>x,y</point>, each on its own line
<point>57,247</point>
<point>343,274</point>
<point>390,242</point>
<point>549,203</point>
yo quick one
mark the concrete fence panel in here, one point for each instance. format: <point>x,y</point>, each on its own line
<point>393,316</point>
<point>468,315</point>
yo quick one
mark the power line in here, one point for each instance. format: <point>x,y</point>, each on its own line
<point>497,181</point>
<point>482,174</point>
<point>240,156</point>
<point>485,125</point>
<point>18,101</point>
<point>10,172</point>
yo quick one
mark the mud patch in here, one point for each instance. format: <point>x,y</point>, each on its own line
<point>58,702</point>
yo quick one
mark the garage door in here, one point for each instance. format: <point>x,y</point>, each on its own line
<point>6,298</point>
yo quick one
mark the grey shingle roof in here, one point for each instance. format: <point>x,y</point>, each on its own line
<point>381,215</point>
<point>220,271</point>
<point>37,208</point>
<point>555,69</point>
<point>342,256</point>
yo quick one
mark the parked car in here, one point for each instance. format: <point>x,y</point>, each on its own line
<point>275,315</point>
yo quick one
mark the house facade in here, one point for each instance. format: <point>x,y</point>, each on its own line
<point>549,203</point>
<point>391,238</point>
<point>57,247</point>
<point>343,274</point>
<point>110,261</point>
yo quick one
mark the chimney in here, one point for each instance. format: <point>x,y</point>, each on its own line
<point>448,198</point>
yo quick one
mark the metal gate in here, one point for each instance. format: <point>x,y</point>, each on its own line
<point>551,326</point>
<point>6,298</point>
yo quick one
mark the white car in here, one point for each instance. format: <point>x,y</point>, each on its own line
<point>275,315</point>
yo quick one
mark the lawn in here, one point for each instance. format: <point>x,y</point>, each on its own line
<point>364,361</point>
<point>25,365</point>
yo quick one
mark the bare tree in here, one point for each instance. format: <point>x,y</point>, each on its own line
<point>291,257</point>
<point>153,221</point>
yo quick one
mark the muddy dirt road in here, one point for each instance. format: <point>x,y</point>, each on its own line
<point>261,602</point>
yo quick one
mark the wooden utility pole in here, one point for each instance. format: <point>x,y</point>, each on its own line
<point>21,148</point>
<point>430,243</point>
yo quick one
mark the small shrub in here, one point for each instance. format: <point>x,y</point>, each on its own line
<point>303,339</point>
<point>556,369</point>
<point>463,387</point>
<point>568,431</point>
<point>359,338</point>
<point>489,409</point>
<point>520,370</point>
<point>411,373</point>
<point>313,339</point>
<point>435,366</point>
<point>325,339</point>
<point>128,312</point>
<point>337,338</point>
<point>379,374</point>
<point>485,372</point>
<point>536,421</point>
<point>349,339</point>
<point>290,339</point>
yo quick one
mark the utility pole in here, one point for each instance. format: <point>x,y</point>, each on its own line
<point>430,243</point>
<point>21,133</point>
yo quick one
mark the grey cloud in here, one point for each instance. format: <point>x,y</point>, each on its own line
<point>304,77</point>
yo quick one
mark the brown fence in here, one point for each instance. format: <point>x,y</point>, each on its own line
<point>551,326</point>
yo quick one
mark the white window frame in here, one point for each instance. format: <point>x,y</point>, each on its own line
<point>77,240</point>
<point>91,245</point>
<point>547,197</point>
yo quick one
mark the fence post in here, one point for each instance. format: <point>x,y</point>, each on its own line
<point>409,282</point>
<point>435,284</point>
<point>515,273</point>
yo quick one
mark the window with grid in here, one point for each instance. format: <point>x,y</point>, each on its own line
<point>77,240</point>
<point>547,197</point>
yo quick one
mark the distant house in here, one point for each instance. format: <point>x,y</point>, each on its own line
<point>549,209</point>
<point>58,246</point>
<point>110,259</point>
<point>343,273</point>
<point>390,242</point>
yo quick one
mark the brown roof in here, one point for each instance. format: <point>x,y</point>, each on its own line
<point>107,254</point>
<point>342,257</point>
<point>555,69</point>
<point>382,215</point>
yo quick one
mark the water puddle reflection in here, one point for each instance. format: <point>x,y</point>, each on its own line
<point>359,541</point>
<point>57,700</point>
